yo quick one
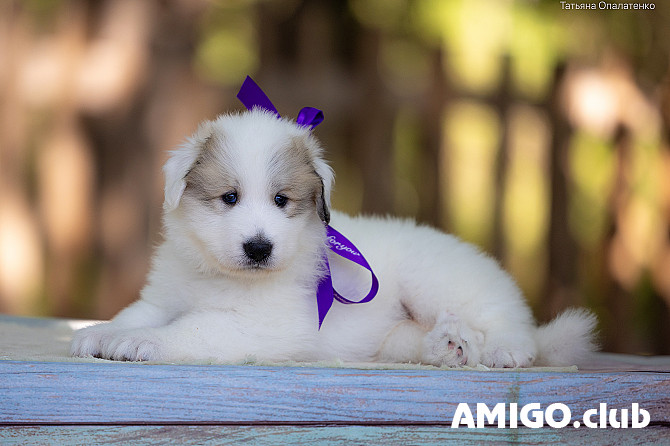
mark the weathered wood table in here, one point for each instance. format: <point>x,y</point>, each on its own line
<point>44,400</point>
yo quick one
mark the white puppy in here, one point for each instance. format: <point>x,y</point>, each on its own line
<point>246,202</point>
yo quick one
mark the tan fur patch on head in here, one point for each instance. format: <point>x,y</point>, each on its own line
<point>292,174</point>
<point>212,174</point>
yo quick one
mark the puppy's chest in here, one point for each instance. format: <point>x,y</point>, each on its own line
<point>252,299</point>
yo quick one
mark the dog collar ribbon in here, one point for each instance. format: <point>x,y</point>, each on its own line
<point>251,96</point>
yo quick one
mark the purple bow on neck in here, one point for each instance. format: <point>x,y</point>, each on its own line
<point>252,96</point>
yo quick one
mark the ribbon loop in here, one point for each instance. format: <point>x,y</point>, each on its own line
<point>326,293</point>
<point>251,96</point>
<point>310,117</point>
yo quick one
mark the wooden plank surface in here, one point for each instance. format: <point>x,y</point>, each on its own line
<point>122,393</point>
<point>128,403</point>
<point>332,435</point>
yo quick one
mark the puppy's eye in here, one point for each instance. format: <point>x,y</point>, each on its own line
<point>230,198</point>
<point>281,200</point>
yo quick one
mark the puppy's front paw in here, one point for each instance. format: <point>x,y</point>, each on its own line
<point>449,343</point>
<point>107,341</point>
<point>88,341</point>
<point>131,345</point>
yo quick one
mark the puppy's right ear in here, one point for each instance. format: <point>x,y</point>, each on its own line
<point>180,163</point>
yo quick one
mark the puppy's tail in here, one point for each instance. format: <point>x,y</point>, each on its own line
<point>567,339</point>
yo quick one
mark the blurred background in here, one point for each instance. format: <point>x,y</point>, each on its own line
<point>538,133</point>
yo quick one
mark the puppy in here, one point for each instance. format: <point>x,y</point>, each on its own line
<point>247,199</point>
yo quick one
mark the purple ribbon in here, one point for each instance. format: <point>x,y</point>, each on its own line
<point>326,293</point>
<point>251,96</point>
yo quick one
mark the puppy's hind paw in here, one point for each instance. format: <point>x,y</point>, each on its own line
<point>448,343</point>
<point>445,350</point>
<point>502,358</point>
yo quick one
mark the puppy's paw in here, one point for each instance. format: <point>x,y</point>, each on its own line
<point>450,343</point>
<point>88,342</point>
<point>131,345</point>
<point>507,358</point>
<point>107,341</point>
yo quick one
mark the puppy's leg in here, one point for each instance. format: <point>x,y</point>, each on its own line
<point>403,343</point>
<point>448,343</point>
<point>455,334</point>
<point>220,336</point>
<point>91,341</point>
<point>188,337</point>
<point>472,304</point>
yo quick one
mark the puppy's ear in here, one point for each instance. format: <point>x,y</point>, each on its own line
<point>322,209</point>
<point>326,175</point>
<point>180,163</point>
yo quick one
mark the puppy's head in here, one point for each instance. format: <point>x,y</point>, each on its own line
<point>246,193</point>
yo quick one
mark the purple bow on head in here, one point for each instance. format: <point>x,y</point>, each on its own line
<point>252,96</point>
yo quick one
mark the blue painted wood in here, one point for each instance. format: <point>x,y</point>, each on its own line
<point>123,393</point>
<point>332,435</point>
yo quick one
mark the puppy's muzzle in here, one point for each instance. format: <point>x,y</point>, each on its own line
<point>258,249</point>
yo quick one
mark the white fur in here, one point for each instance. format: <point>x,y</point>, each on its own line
<point>440,301</point>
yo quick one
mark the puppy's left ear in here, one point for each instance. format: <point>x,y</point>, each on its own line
<point>180,163</point>
<point>322,208</point>
<point>326,175</point>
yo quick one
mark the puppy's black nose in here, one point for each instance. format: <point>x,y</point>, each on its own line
<point>258,250</point>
